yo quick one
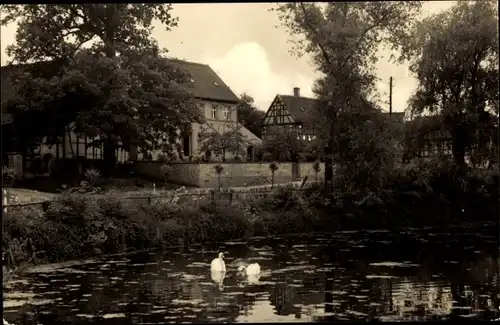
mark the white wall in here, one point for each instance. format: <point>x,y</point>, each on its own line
<point>206,106</point>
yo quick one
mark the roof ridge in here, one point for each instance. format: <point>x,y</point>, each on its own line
<point>300,97</point>
<point>189,62</point>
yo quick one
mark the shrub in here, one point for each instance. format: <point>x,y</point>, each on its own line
<point>162,158</point>
<point>80,225</point>
<point>8,176</point>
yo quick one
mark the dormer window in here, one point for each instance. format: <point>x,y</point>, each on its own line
<point>214,112</point>
<point>226,113</point>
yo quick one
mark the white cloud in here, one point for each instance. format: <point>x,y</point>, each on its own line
<point>245,68</point>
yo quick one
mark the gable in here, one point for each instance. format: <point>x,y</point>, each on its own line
<point>277,114</point>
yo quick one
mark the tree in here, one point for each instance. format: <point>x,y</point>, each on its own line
<point>113,79</point>
<point>217,142</point>
<point>249,115</point>
<point>284,145</point>
<point>218,170</point>
<point>273,167</point>
<point>317,169</point>
<point>454,55</point>
<point>342,39</point>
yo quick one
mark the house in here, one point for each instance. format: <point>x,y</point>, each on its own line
<point>292,114</point>
<point>219,105</point>
<point>215,98</point>
<point>298,114</point>
<point>427,138</point>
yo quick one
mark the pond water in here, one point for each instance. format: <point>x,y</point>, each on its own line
<point>364,275</point>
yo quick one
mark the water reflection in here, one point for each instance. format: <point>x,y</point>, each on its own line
<point>345,276</point>
<point>218,278</point>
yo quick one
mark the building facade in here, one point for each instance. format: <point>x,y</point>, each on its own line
<point>290,114</point>
<point>219,106</point>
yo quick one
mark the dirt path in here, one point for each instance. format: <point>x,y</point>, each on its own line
<point>22,195</point>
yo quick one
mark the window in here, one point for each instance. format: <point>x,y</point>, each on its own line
<point>214,112</point>
<point>226,113</point>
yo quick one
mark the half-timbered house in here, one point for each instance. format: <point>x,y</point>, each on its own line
<point>290,114</point>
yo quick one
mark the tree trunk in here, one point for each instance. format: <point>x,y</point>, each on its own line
<point>109,156</point>
<point>329,167</point>
<point>458,144</point>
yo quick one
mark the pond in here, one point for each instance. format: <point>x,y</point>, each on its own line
<point>411,274</point>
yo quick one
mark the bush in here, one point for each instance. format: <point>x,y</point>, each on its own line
<point>8,176</point>
<point>81,225</point>
<point>432,192</point>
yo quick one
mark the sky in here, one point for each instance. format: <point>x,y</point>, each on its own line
<point>245,45</point>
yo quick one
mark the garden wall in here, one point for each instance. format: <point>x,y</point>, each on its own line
<point>307,169</point>
<point>244,174</point>
<point>233,174</point>
<point>184,174</point>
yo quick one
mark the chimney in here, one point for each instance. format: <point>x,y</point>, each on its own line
<point>296,91</point>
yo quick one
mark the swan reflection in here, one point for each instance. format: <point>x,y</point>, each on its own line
<point>218,278</point>
<point>253,279</point>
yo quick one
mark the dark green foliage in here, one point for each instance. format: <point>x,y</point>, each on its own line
<point>249,115</point>
<point>435,193</point>
<point>82,225</point>
<point>431,193</point>
<point>107,74</point>
<point>343,40</point>
<point>454,56</point>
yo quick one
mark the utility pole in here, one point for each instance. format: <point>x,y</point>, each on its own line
<point>390,96</point>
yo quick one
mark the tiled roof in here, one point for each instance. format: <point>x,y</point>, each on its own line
<point>207,84</point>
<point>301,108</point>
<point>221,126</point>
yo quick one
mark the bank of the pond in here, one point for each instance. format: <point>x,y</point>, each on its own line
<point>80,226</point>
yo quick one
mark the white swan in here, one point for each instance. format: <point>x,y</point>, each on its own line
<point>251,269</point>
<point>218,264</point>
